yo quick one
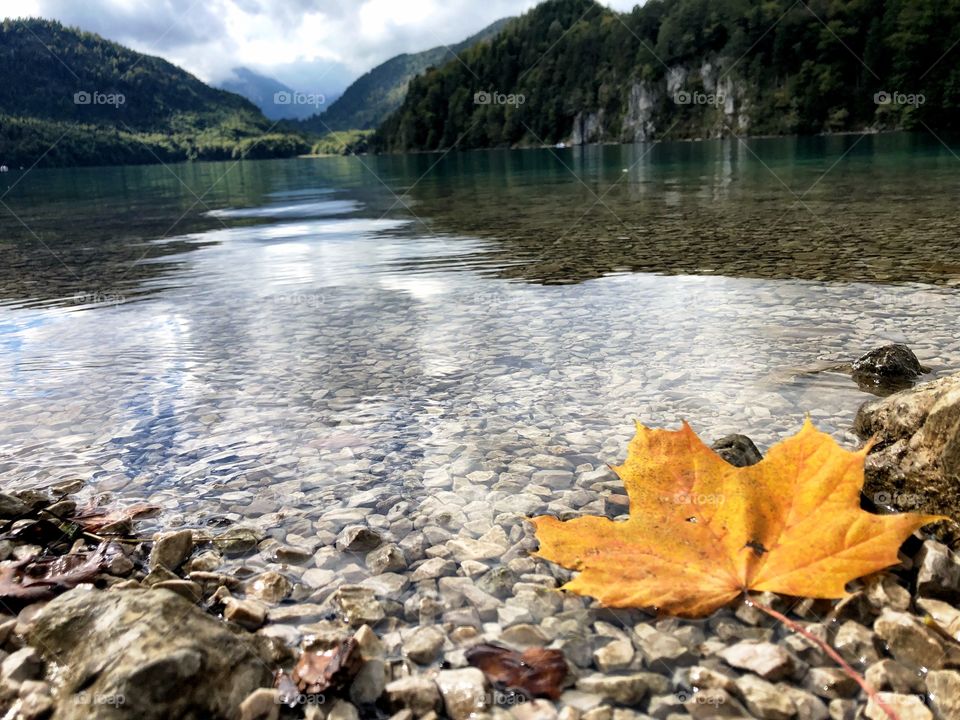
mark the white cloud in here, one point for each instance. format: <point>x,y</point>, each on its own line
<point>315,45</point>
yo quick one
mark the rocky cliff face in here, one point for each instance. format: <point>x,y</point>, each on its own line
<point>695,102</point>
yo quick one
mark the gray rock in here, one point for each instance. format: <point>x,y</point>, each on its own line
<point>358,538</point>
<point>12,507</point>
<point>170,549</point>
<point>907,707</point>
<point>249,614</point>
<point>624,689</point>
<point>892,676</point>
<point>765,700</point>
<point>261,704</point>
<point>369,683</point>
<point>184,588</point>
<point>831,683</point>
<point>660,649</point>
<point>893,362</point>
<point>271,587</point>
<point>943,687</point>
<point>358,605</point>
<point>24,664</point>
<point>843,709</point>
<point>424,644</point>
<point>917,449</point>
<point>767,660</point>
<point>738,450</point>
<point>386,558</point>
<point>434,568</point>
<point>938,576</point>
<point>238,541</point>
<point>464,692</point>
<point>615,655</point>
<point>910,641</point>
<point>416,693</point>
<point>809,707</point>
<point>342,710</point>
<point>498,582</point>
<point>112,644</point>
<point>856,644</point>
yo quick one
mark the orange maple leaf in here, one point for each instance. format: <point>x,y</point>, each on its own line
<point>701,531</point>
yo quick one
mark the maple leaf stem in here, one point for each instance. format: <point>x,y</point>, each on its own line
<point>823,645</point>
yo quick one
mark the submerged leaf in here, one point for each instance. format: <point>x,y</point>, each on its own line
<point>536,672</point>
<point>701,531</point>
<point>117,520</point>
<point>31,580</point>
<point>315,672</point>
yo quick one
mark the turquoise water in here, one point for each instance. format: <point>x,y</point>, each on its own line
<point>228,339</point>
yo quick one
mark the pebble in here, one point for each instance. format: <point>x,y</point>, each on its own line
<point>769,661</point>
<point>249,614</point>
<point>358,539</point>
<point>910,641</point>
<point>943,687</point>
<point>424,644</point>
<point>890,675</point>
<point>419,694</point>
<point>261,704</point>
<point>616,655</point>
<point>270,587</point>
<point>171,549</point>
<point>23,664</point>
<point>856,644</point>
<point>463,691</point>
<point>434,568</point>
<point>939,573</point>
<point>765,700</point>
<point>907,707</point>
<point>386,558</point>
<point>624,689</point>
<point>358,605</point>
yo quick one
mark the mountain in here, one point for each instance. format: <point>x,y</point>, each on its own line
<point>379,92</point>
<point>573,71</point>
<point>74,98</point>
<point>276,100</point>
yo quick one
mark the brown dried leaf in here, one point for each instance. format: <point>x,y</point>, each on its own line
<point>316,672</point>
<point>96,518</point>
<point>537,672</point>
<point>32,580</point>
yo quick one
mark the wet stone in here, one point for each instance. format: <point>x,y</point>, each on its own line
<point>767,660</point>
<point>358,538</point>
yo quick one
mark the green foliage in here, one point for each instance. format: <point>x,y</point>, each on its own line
<point>371,98</point>
<point>345,142</point>
<point>791,68</point>
<point>132,108</point>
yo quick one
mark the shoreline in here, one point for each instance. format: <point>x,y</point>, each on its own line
<point>443,578</point>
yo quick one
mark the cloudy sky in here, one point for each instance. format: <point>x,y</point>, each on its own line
<point>312,45</point>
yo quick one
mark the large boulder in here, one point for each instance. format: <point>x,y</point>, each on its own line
<point>145,654</point>
<point>915,463</point>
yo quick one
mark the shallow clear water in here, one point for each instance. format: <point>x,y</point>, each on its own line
<point>268,340</point>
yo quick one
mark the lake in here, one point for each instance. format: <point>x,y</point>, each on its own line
<point>285,343</point>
